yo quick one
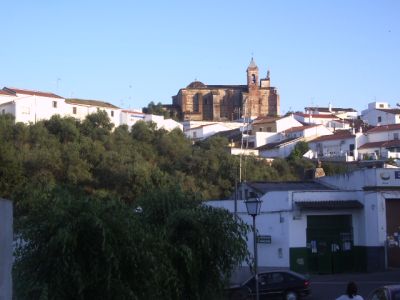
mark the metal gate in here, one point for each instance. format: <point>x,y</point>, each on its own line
<point>330,243</point>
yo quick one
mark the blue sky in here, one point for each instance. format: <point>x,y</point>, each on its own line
<point>132,52</point>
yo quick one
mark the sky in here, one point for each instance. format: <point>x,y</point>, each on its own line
<point>343,52</point>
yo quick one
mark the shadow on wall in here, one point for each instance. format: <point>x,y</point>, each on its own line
<point>6,248</point>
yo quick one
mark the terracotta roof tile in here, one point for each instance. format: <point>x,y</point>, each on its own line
<point>381,144</point>
<point>31,92</point>
<point>316,116</point>
<point>384,128</point>
<point>338,135</point>
<point>90,102</point>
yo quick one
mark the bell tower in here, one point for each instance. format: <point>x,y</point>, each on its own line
<point>252,75</point>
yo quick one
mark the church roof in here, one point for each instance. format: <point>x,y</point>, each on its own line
<point>196,84</point>
<point>252,64</point>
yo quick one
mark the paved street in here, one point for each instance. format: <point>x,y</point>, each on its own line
<point>331,286</point>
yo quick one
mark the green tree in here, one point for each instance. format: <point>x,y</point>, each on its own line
<point>75,246</point>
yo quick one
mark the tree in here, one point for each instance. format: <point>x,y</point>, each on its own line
<point>75,246</point>
<point>299,150</point>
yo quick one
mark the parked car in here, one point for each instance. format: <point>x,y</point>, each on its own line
<point>287,285</point>
<point>387,292</point>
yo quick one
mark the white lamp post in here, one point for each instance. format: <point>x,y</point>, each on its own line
<point>253,206</point>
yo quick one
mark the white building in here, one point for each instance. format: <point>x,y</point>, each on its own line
<point>380,113</point>
<point>382,142</point>
<point>6,248</point>
<point>31,106</point>
<point>343,223</point>
<point>81,108</point>
<point>307,131</point>
<point>310,118</point>
<point>342,113</point>
<point>341,146</point>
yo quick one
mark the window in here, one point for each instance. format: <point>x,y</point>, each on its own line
<point>196,103</point>
<point>379,119</point>
<point>260,129</point>
<point>253,78</point>
<point>54,104</point>
<point>74,109</point>
<point>269,129</point>
<point>396,136</point>
<point>381,105</point>
<point>112,113</point>
<point>3,111</point>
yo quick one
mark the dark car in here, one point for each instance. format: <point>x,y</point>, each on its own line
<point>286,285</point>
<point>387,292</point>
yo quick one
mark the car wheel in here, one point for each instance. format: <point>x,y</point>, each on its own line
<point>291,296</point>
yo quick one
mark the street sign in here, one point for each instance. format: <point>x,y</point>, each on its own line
<point>264,239</point>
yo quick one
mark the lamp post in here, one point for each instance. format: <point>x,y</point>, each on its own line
<point>253,206</point>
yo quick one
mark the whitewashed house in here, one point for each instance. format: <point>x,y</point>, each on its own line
<point>307,131</point>
<point>336,224</point>
<point>310,118</point>
<point>382,142</point>
<point>204,131</point>
<point>342,113</point>
<point>29,106</point>
<point>80,108</point>
<point>129,117</point>
<point>380,113</point>
<point>162,123</point>
<point>341,146</point>
<point>269,130</point>
<point>279,149</point>
<point>6,248</point>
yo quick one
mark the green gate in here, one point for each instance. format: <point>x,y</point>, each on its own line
<point>330,243</point>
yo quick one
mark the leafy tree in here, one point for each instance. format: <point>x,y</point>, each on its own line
<point>299,150</point>
<point>156,109</point>
<point>75,246</point>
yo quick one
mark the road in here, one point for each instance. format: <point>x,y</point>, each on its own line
<point>326,287</point>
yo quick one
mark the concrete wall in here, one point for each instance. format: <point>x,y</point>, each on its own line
<point>6,248</point>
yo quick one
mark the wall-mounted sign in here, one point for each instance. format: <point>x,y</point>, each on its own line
<point>264,239</point>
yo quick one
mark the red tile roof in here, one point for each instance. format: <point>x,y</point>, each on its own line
<point>5,93</point>
<point>384,128</point>
<point>299,128</point>
<point>381,144</point>
<point>316,116</point>
<point>338,135</point>
<point>30,92</point>
<point>90,102</point>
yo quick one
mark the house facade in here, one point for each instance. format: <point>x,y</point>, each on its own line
<point>380,113</point>
<point>337,224</point>
<point>381,142</point>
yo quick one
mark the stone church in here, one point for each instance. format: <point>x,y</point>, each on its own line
<point>201,102</point>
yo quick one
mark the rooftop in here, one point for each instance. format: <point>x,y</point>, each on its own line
<point>90,102</point>
<point>269,186</point>
<point>14,91</point>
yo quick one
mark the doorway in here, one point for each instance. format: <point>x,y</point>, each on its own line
<point>330,243</point>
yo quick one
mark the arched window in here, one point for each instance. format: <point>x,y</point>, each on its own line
<point>253,78</point>
<point>196,103</point>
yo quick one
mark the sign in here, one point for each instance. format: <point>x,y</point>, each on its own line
<point>264,239</point>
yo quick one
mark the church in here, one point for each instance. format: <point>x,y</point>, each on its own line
<point>201,102</point>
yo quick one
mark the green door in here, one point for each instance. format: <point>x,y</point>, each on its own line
<point>330,243</point>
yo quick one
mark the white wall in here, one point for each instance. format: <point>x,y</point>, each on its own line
<point>6,249</point>
<point>286,123</point>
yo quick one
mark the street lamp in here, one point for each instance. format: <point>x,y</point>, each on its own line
<point>253,206</point>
